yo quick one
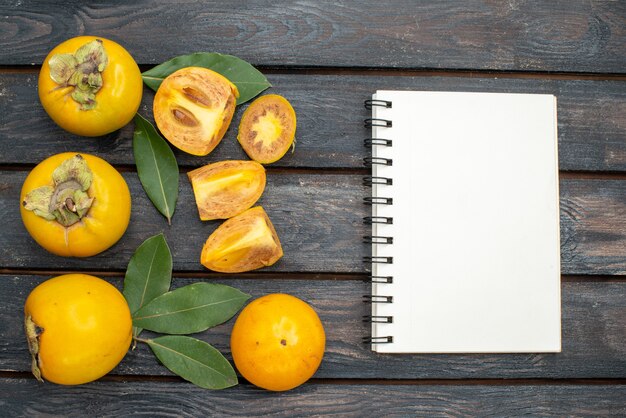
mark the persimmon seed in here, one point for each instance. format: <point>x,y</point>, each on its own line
<point>196,96</point>
<point>184,117</point>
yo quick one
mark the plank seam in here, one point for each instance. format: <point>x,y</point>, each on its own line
<point>356,171</point>
<point>374,382</point>
<point>391,72</point>
<point>320,276</point>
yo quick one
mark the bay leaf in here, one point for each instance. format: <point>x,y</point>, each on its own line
<point>249,81</point>
<point>156,166</point>
<point>148,275</point>
<point>192,308</point>
<point>194,360</point>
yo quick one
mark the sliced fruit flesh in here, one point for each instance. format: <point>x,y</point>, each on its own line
<point>193,108</point>
<point>256,234</point>
<point>243,243</point>
<point>267,128</point>
<point>225,189</point>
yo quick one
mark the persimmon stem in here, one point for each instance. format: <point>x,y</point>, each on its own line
<point>141,340</point>
<point>67,201</point>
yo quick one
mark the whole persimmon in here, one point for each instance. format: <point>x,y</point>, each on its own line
<point>78,328</point>
<point>278,342</point>
<point>90,85</point>
<point>75,205</point>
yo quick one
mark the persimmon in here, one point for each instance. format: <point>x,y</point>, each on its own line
<point>90,85</point>
<point>193,108</point>
<point>277,342</point>
<point>244,242</point>
<point>78,328</point>
<point>226,188</point>
<point>267,128</point>
<point>75,205</point>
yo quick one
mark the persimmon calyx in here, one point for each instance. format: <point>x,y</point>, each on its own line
<point>67,201</point>
<point>32,335</point>
<point>82,71</point>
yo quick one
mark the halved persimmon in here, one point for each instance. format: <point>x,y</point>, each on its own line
<point>227,188</point>
<point>245,242</point>
<point>193,108</point>
<point>267,128</point>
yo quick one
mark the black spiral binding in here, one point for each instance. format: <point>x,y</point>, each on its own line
<point>377,299</point>
<point>368,220</point>
<point>377,239</point>
<point>370,161</point>
<point>382,103</point>
<point>370,200</point>
<point>369,180</point>
<point>377,340</point>
<point>371,142</point>
<point>381,319</point>
<point>383,123</point>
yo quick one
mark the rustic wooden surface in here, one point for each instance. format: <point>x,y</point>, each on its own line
<point>166,398</point>
<point>318,217</point>
<point>592,119</point>
<point>488,35</point>
<point>326,58</point>
<point>593,327</point>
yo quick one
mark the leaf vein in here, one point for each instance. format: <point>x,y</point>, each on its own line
<point>158,172</point>
<point>145,287</point>
<point>159,315</point>
<point>190,358</point>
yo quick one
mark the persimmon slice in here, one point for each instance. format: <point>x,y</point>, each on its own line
<point>245,242</point>
<point>227,188</point>
<point>193,108</point>
<point>267,128</point>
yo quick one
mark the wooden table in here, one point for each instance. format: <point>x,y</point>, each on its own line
<point>326,58</point>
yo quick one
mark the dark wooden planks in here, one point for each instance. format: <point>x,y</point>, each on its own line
<point>591,114</point>
<point>593,315</point>
<point>536,36</point>
<point>602,240</point>
<point>319,221</point>
<point>26,397</point>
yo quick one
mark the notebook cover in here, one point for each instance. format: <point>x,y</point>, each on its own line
<point>476,254</point>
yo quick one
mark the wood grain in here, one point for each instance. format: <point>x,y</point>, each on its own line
<point>26,397</point>
<point>591,115</point>
<point>319,221</point>
<point>517,35</point>
<point>326,58</point>
<point>604,234</point>
<point>318,218</point>
<point>593,330</point>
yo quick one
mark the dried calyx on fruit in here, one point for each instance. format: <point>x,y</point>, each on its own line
<point>227,188</point>
<point>75,205</point>
<point>67,201</point>
<point>245,242</point>
<point>81,70</point>
<point>267,128</point>
<point>193,108</point>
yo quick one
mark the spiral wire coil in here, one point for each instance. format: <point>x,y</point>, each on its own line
<point>370,220</point>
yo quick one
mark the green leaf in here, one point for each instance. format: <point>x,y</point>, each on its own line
<point>149,274</point>
<point>190,309</point>
<point>249,81</point>
<point>156,167</point>
<point>194,360</point>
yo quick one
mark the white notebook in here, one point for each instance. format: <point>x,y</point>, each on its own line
<point>467,230</point>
